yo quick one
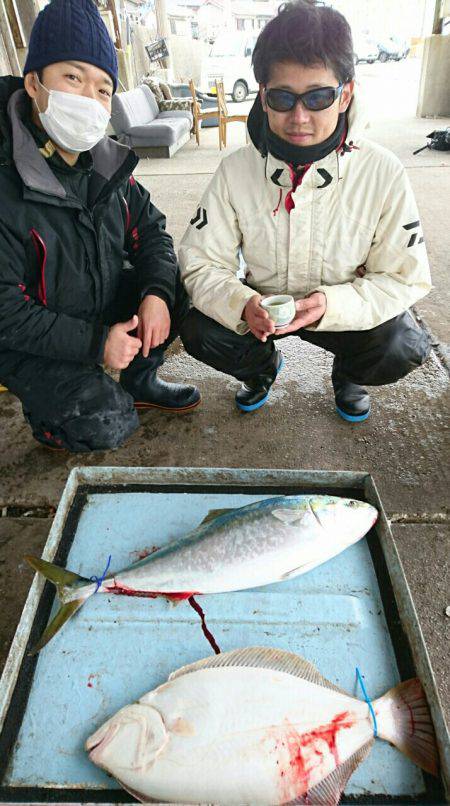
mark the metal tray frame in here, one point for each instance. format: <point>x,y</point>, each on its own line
<point>409,645</point>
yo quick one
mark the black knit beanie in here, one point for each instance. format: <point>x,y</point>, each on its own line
<point>71,30</point>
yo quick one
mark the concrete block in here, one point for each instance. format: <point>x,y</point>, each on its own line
<point>434,89</point>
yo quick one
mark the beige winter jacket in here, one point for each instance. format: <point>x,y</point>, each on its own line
<point>355,214</point>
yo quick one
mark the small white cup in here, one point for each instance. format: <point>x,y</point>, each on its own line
<point>281,309</point>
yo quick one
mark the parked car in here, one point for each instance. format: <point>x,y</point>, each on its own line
<point>392,48</point>
<point>365,50</point>
<point>230,61</point>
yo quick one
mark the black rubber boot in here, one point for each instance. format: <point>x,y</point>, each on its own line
<point>255,392</point>
<point>352,400</point>
<point>141,381</point>
<point>159,394</point>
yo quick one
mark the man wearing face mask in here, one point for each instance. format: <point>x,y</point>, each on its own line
<point>318,212</point>
<point>88,273</point>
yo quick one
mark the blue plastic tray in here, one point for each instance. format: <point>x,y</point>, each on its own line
<point>117,648</point>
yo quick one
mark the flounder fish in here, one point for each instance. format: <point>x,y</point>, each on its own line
<point>258,544</point>
<point>255,726</point>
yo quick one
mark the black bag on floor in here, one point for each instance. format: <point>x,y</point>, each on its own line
<point>439,140</point>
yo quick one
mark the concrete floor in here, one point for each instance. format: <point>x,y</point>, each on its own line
<point>404,444</point>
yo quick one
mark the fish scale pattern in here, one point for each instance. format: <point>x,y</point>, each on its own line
<point>71,29</point>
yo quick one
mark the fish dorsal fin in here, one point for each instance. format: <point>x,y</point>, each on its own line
<point>263,658</point>
<point>329,790</point>
<point>288,515</point>
<point>213,514</point>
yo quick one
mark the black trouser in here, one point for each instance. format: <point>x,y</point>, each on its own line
<point>78,406</point>
<point>367,357</point>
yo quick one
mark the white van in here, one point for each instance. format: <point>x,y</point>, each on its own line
<point>230,61</point>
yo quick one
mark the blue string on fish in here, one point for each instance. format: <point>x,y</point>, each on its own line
<point>99,580</point>
<point>368,701</point>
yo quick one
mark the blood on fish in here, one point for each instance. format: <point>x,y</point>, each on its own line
<point>208,635</point>
<point>123,590</point>
<point>301,762</point>
<point>143,553</point>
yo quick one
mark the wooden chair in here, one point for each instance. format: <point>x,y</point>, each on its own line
<point>198,115</point>
<point>224,117</point>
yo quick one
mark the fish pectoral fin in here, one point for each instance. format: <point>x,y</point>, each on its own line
<point>329,790</point>
<point>262,658</point>
<point>288,515</point>
<point>213,514</point>
<point>293,572</point>
<point>302,569</point>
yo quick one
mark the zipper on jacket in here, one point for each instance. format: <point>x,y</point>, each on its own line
<point>100,278</point>
<point>127,213</point>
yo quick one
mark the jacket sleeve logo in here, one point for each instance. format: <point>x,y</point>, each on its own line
<point>414,235</point>
<point>200,220</point>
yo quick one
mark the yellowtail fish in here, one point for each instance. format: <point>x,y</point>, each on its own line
<point>258,544</point>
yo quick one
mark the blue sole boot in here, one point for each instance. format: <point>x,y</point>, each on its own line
<point>352,418</point>
<point>352,400</point>
<point>254,394</point>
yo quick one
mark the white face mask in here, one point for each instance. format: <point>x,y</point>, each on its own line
<point>75,123</point>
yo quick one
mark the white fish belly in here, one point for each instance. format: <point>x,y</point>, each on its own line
<point>248,736</point>
<point>251,553</point>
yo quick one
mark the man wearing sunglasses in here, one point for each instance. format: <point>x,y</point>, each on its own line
<point>317,211</point>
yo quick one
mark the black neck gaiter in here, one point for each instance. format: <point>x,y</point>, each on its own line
<point>304,155</point>
<point>267,142</point>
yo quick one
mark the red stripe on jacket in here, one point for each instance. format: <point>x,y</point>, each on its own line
<point>41,252</point>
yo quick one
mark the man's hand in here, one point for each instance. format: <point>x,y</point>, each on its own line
<point>154,323</point>
<point>258,319</point>
<point>120,348</point>
<point>309,311</point>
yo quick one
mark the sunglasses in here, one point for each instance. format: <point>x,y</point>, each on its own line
<point>314,100</point>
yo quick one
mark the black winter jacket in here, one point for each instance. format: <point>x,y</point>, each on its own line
<point>61,261</point>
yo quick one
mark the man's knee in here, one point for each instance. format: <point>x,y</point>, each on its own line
<point>401,347</point>
<point>101,431</point>
<point>212,343</point>
<point>407,347</point>
<point>244,356</point>
<point>95,414</point>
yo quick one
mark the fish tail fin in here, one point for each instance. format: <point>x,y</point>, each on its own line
<point>63,580</point>
<point>403,719</point>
